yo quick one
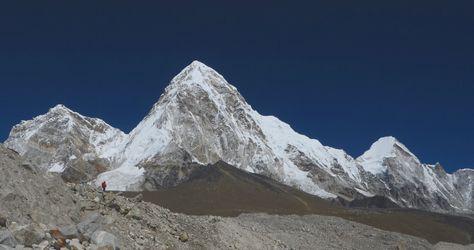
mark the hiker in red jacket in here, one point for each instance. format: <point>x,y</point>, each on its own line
<point>103,185</point>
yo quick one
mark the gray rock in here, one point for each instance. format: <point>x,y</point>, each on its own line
<point>42,246</point>
<point>92,247</point>
<point>105,239</point>
<point>27,196</point>
<point>138,198</point>
<point>3,221</point>
<point>135,213</point>
<point>90,224</point>
<point>5,247</point>
<point>74,244</point>
<point>69,232</point>
<point>184,237</point>
<point>452,246</point>
<point>6,238</point>
<point>28,235</point>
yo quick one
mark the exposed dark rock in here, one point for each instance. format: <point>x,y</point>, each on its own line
<point>373,202</point>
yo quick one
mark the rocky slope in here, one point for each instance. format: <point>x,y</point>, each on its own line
<point>28,194</point>
<point>201,119</point>
<point>77,216</point>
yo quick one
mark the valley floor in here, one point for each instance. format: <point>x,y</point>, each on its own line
<point>223,190</point>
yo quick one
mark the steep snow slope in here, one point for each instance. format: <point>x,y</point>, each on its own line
<point>205,118</point>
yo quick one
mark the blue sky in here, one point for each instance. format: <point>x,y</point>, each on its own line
<point>344,73</point>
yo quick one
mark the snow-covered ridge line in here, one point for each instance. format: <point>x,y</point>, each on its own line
<point>202,118</point>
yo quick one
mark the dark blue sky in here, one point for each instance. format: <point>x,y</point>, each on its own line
<point>344,72</point>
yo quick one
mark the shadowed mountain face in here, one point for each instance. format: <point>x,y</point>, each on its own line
<point>229,191</point>
<point>371,202</point>
<point>221,189</point>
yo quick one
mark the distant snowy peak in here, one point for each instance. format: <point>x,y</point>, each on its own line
<point>386,147</point>
<point>54,139</point>
<point>466,170</point>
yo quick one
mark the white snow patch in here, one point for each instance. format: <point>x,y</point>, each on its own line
<point>122,179</point>
<point>364,193</point>
<point>57,168</point>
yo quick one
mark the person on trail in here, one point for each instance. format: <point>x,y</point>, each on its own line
<point>103,185</point>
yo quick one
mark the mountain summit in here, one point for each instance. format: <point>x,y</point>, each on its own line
<point>65,141</point>
<point>202,119</point>
<point>385,147</point>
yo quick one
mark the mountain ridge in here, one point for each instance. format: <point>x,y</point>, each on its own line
<point>201,118</point>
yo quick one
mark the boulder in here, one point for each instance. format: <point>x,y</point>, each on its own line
<point>183,237</point>
<point>69,232</point>
<point>105,239</point>
<point>74,244</point>
<point>90,224</point>
<point>28,235</point>
<point>6,238</point>
<point>44,245</point>
<point>86,205</point>
<point>134,213</point>
<point>5,247</point>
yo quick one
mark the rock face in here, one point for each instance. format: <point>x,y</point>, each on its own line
<point>201,119</point>
<point>464,182</point>
<point>66,142</point>
<point>394,172</point>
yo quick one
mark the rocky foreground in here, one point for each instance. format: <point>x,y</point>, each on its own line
<point>39,211</point>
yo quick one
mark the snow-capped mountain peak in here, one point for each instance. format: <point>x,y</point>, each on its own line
<point>383,148</point>
<point>196,104</point>
<point>198,73</point>
<point>60,108</point>
<point>55,139</point>
<point>201,119</point>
